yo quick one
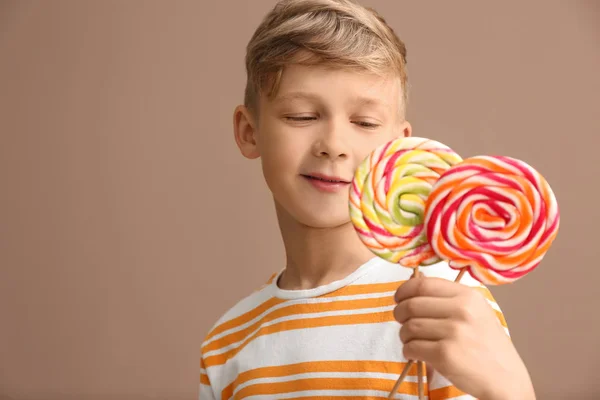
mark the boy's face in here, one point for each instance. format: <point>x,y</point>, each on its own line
<point>313,135</point>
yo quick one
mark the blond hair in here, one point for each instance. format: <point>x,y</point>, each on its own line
<point>334,33</point>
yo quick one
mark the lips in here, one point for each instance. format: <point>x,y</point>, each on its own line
<point>325,178</point>
<point>327,183</point>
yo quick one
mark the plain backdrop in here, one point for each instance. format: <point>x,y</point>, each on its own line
<point>129,222</point>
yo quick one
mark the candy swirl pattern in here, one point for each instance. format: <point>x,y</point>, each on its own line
<point>495,216</point>
<point>388,198</point>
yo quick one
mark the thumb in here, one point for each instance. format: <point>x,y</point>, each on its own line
<point>429,351</point>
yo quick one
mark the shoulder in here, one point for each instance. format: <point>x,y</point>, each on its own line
<point>444,271</point>
<point>245,309</point>
<point>386,271</point>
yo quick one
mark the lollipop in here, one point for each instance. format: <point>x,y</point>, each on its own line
<point>387,205</point>
<point>388,195</point>
<point>492,216</point>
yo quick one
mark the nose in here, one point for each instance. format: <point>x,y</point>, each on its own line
<point>331,143</point>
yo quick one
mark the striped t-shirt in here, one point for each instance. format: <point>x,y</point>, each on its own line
<point>337,341</point>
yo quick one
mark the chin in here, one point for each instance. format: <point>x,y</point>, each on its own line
<point>323,219</point>
<point>320,212</point>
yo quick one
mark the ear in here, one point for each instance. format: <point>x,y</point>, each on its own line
<point>406,129</point>
<point>244,130</point>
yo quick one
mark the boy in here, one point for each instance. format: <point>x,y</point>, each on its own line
<point>327,83</point>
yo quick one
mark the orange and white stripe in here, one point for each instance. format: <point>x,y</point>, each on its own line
<point>336,341</point>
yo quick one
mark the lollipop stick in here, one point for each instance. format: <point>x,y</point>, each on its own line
<point>420,379</point>
<point>409,364</point>
<point>419,363</point>
<point>401,379</point>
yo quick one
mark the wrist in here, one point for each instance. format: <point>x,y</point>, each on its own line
<point>509,391</point>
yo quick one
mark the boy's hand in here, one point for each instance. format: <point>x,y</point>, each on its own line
<point>453,329</point>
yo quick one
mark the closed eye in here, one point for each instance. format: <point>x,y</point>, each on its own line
<point>307,118</point>
<point>368,125</point>
<point>362,124</point>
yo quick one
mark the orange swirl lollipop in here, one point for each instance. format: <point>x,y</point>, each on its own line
<point>493,216</point>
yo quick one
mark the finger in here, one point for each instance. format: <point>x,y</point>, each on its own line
<point>423,286</point>
<point>422,350</point>
<point>423,307</point>
<point>424,329</point>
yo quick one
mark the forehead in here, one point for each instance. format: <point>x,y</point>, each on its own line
<point>335,85</point>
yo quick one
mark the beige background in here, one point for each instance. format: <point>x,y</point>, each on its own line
<point>129,223</point>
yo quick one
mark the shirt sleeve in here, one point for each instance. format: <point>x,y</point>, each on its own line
<point>206,390</point>
<point>441,388</point>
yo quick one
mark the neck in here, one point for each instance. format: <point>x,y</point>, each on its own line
<point>318,256</point>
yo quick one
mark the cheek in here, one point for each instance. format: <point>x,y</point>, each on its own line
<point>280,156</point>
<point>283,149</point>
<point>280,163</point>
<point>366,144</point>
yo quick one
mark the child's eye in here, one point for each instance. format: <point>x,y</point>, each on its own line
<point>368,125</point>
<point>303,118</point>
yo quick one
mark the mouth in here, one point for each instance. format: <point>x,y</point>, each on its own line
<point>326,178</point>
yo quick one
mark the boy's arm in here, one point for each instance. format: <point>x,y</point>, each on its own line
<point>206,391</point>
<point>453,329</point>
<point>441,388</point>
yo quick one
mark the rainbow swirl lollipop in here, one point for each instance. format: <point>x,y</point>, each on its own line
<point>388,197</point>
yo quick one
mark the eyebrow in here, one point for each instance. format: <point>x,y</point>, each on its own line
<point>297,96</point>
<point>361,100</point>
<point>369,101</point>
